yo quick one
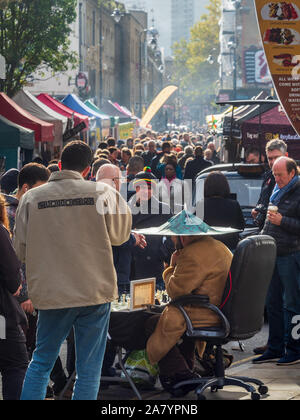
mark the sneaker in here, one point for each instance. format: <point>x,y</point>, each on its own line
<point>289,360</point>
<point>267,357</point>
<point>260,350</point>
<point>168,383</point>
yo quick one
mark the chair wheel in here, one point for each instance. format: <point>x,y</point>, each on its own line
<point>263,390</point>
<point>255,396</point>
<point>178,393</point>
<point>201,397</point>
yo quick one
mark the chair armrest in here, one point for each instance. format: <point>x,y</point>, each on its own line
<point>203,302</point>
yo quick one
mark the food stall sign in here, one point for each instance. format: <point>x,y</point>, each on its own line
<point>279,24</point>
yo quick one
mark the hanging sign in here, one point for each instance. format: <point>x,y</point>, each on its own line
<point>279,23</point>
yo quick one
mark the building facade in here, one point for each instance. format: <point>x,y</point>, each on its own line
<point>114,57</point>
<point>182,19</point>
<point>243,66</point>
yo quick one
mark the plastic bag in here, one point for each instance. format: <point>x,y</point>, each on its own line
<point>140,369</point>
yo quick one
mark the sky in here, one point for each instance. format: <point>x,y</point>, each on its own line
<point>162,16</point>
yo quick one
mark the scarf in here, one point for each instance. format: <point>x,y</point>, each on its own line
<point>279,193</point>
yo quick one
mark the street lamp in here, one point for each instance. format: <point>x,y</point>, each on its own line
<point>117,15</point>
<point>232,46</point>
<point>210,59</point>
<point>153,43</point>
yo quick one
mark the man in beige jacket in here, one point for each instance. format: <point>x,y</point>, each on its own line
<point>64,232</point>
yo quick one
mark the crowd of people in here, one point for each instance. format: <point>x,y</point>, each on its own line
<point>70,247</point>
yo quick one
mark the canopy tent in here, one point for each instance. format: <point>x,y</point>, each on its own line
<point>73,102</point>
<point>126,111</point>
<point>120,108</point>
<point>271,124</point>
<point>106,121</point>
<point>29,102</point>
<point>63,110</point>
<point>109,109</point>
<point>9,109</point>
<point>241,112</point>
<point>13,137</point>
<point>89,103</point>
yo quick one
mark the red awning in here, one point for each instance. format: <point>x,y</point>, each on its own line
<point>275,116</point>
<point>271,124</point>
<point>9,109</point>
<point>63,110</point>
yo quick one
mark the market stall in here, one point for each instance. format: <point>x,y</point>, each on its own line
<point>44,132</point>
<point>64,110</point>
<point>16,144</point>
<point>271,124</point>
<point>31,104</point>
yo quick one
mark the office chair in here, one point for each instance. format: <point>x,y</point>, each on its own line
<point>241,316</point>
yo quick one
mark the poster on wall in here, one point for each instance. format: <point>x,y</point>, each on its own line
<point>279,23</point>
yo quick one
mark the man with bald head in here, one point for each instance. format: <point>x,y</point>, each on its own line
<point>283,300</point>
<point>111,175</point>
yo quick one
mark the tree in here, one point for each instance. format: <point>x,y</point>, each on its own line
<point>111,5</point>
<point>35,33</point>
<point>193,73</point>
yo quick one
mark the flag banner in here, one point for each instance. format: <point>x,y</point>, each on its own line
<point>279,23</point>
<point>156,105</point>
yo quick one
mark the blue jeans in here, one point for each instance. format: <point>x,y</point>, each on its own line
<point>283,303</point>
<point>90,330</point>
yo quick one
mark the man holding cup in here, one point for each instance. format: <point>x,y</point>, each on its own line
<point>283,300</point>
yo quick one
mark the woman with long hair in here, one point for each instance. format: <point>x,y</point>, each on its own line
<point>220,209</point>
<point>3,213</point>
<point>13,352</point>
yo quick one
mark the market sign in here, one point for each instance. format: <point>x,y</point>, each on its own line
<point>279,24</point>
<point>256,68</point>
<point>125,130</point>
<point>69,134</point>
<point>81,80</point>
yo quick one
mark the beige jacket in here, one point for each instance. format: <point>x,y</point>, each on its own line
<point>64,232</point>
<point>202,269</point>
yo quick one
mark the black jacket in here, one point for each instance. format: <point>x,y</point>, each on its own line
<point>9,284</point>
<point>287,235</point>
<point>149,262</point>
<point>224,212</point>
<point>195,166</point>
<point>264,199</point>
<point>148,157</point>
<point>122,262</point>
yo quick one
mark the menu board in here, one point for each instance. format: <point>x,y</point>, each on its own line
<point>142,293</point>
<point>279,23</point>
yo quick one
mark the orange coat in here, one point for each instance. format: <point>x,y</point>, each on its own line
<point>202,268</point>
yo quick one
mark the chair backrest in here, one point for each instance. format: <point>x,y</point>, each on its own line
<point>251,272</point>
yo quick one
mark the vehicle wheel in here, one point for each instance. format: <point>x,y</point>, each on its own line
<point>263,390</point>
<point>255,396</point>
<point>178,393</point>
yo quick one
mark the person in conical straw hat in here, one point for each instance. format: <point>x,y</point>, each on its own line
<point>200,266</point>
